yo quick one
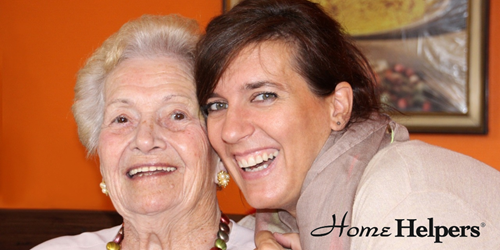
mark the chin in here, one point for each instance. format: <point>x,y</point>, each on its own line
<point>149,205</point>
<point>264,201</point>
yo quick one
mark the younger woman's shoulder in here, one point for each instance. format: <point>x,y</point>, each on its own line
<point>415,182</point>
<point>417,157</point>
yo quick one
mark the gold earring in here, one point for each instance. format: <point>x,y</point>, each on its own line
<point>222,179</point>
<point>104,189</point>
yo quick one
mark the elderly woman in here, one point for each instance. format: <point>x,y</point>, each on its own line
<point>136,107</point>
<point>292,110</point>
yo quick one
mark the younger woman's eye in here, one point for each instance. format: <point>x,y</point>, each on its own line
<point>265,96</point>
<point>120,119</point>
<point>213,107</point>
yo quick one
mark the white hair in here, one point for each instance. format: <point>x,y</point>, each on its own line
<point>146,37</point>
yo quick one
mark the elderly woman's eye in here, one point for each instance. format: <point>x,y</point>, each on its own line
<point>178,116</point>
<point>121,119</point>
<point>265,96</point>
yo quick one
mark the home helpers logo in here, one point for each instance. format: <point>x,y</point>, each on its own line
<point>403,228</point>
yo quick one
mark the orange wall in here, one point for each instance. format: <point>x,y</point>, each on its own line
<point>44,43</point>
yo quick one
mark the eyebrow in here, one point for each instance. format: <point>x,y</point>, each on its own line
<point>165,99</point>
<point>213,95</point>
<point>119,100</point>
<point>260,84</point>
<point>251,86</point>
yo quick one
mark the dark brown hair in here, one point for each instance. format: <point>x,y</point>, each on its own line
<point>324,54</point>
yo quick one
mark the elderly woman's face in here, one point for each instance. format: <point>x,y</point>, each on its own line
<point>266,125</point>
<point>153,149</point>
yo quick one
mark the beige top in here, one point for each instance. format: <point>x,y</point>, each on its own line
<point>455,196</point>
<point>376,182</point>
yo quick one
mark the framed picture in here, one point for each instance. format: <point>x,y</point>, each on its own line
<point>429,57</point>
<point>228,4</point>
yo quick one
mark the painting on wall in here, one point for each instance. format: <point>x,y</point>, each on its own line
<point>429,58</point>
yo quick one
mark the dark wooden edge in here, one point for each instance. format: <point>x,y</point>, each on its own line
<point>25,228</point>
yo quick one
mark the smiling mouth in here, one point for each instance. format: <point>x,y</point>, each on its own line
<point>147,171</point>
<point>257,163</point>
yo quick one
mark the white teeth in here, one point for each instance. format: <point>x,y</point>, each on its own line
<point>252,162</point>
<point>145,170</point>
<point>264,166</point>
<point>258,159</point>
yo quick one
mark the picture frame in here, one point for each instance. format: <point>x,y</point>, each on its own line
<point>228,4</point>
<point>446,50</point>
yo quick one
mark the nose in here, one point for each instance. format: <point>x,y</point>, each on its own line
<point>236,126</point>
<point>148,137</point>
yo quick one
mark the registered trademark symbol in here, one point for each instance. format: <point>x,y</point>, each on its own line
<point>483,224</point>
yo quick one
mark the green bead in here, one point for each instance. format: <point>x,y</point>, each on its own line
<point>220,244</point>
<point>112,246</point>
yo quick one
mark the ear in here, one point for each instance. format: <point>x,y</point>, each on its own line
<point>340,103</point>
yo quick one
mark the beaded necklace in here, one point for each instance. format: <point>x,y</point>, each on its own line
<point>220,242</point>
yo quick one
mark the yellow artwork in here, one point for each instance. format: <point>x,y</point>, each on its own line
<point>361,17</point>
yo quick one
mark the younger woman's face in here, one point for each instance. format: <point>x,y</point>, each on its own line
<point>266,125</point>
